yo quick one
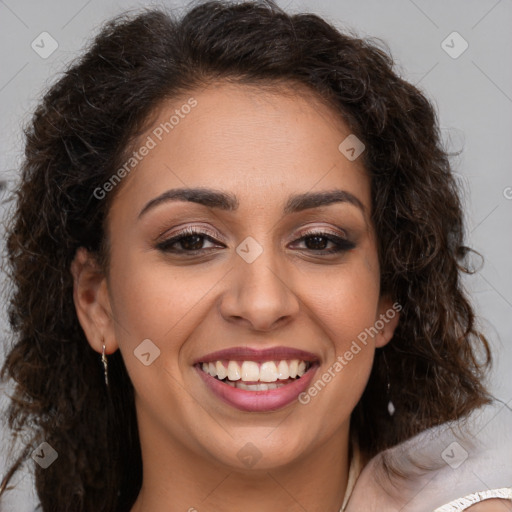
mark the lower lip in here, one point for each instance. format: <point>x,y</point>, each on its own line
<point>258,401</point>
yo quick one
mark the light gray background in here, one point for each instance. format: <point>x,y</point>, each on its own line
<point>473,95</point>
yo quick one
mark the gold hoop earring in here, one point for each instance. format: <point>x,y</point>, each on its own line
<point>105,364</point>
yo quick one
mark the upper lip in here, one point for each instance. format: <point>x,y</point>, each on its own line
<point>255,354</point>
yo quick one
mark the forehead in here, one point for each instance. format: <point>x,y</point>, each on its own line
<point>260,142</point>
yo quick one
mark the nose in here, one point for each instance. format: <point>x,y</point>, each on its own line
<point>259,295</point>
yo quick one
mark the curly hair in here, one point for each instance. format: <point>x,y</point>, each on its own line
<point>80,134</point>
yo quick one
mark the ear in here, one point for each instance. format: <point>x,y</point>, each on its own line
<point>388,313</point>
<point>92,303</point>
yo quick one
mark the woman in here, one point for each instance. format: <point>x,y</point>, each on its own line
<point>248,219</point>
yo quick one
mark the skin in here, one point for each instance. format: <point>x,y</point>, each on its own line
<point>262,147</point>
<point>376,491</point>
<point>491,506</point>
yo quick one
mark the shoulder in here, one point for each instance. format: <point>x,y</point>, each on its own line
<point>492,506</point>
<point>490,500</point>
<point>440,466</point>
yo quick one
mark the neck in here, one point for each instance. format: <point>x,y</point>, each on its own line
<point>176,479</point>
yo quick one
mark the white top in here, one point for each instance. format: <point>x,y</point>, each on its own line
<point>447,468</point>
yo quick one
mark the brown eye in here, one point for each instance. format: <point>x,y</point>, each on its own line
<point>188,240</point>
<point>319,241</point>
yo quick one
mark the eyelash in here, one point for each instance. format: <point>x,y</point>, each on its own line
<point>341,244</point>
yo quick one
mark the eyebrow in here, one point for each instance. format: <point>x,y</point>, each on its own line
<point>225,201</point>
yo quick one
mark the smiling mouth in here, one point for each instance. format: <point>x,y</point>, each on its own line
<point>253,376</point>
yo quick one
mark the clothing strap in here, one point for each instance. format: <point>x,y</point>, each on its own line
<point>477,497</point>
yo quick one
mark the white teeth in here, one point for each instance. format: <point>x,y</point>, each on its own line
<point>282,370</point>
<point>221,371</point>
<point>256,387</point>
<point>292,368</point>
<point>268,371</point>
<point>250,371</point>
<point>233,370</point>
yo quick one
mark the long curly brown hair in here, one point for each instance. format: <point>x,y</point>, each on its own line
<point>79,136</point>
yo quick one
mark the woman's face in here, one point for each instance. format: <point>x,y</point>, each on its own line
<point>281,266</point>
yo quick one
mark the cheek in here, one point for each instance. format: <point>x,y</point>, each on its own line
<point>348,316</point>
<point>151,299</point>
<point>345,305</point>
<point>345,299</point>
<point>162,303</point>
